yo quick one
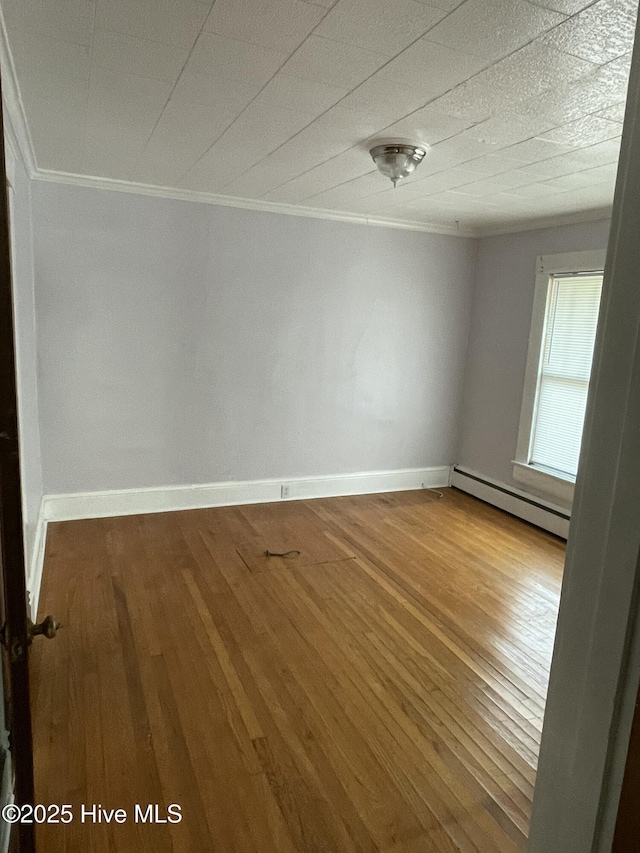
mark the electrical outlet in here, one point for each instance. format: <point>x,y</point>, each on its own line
<point>285,490</point>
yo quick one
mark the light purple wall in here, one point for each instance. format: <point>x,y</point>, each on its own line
<point>184,343</point>
<point>499,338</point>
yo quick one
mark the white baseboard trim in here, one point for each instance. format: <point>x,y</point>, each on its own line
<point>140,501</point>
<point>537,511</point>
<point>34,580</point>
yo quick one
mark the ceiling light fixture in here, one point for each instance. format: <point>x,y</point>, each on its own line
<point>397,160</point>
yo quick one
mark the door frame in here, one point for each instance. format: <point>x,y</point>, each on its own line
<point>595,669</point>
<point>15,630</point>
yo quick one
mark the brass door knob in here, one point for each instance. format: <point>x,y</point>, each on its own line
<point>48,628</point>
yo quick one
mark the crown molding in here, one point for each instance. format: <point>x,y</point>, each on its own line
<point>15,118</point>
<point>551,221</point>
<point>245,203</point>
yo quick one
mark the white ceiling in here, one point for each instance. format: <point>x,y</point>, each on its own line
<point>521,101</point>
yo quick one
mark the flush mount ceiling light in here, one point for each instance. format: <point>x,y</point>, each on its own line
<point>397,160</point>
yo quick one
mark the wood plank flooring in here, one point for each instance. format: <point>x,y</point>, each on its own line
<point>381,691</point>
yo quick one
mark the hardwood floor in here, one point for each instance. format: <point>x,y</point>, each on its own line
<point>381,691</point>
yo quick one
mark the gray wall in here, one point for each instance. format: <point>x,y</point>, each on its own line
<point>183,343</point>
<point>499,338</point>
<point>25,328</point>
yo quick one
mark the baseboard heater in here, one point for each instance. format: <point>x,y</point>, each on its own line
<point>534,510</point>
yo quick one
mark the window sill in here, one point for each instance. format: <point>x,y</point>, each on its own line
<point>547,485</point>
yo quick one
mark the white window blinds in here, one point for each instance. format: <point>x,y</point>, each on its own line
<point>563,381</point>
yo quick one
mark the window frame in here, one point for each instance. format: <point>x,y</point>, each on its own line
<point>548,485</point>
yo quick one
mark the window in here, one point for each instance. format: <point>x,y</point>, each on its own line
<point>563,330</point>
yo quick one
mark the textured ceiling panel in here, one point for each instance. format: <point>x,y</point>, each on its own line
<point>214,92</point>
<point>584,131</point>
<point>569,7</point>
<point>279,24</point>
<point>431,67</point>
<point>532,70</point>
<point>521,101</point>
<point>168,23</point>
<point>333,63</point>
<point>223,58</point>
<point>297,93</point>
<point>122,111</point>
<point>493,28</point>
<point>427,124</point>
<point>183,134</point>
<point>613,113</point>
<point>54,82</point>
<point>379,25</point>
<point>68,20</point>
<point>134,55</point>
<point>380,97</point>
<point>600,33</point>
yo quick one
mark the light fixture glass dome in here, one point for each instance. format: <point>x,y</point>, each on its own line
<point>397,161</point>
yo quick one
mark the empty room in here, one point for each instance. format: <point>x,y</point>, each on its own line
<point>318,397</point>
